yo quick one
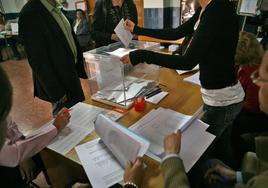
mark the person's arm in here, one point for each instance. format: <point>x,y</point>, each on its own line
<point>12,155</point>
<point>174,173</point>
<point>17,148</point>
<point>170,34</point>
<point>172,166</point>
<point>85,29</point>
<point>198,49</point>
<point>98,24</point>
<point>35,46</point>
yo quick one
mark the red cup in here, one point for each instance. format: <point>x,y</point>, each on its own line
<point>139,104</point>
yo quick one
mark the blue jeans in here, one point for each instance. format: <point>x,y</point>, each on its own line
<point>221,120</point>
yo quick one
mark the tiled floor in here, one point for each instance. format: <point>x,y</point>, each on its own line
<point>27,111</point>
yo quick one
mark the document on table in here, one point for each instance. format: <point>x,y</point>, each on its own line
<point>180,72</point>
<point>81,124</point>
<point>124,35</point>
<point>193,79</point>
<point>123,143</point>
<point>104,160</point>
<point>100,165</point>
<point>120,52</point>
<point>157,98</point>
<point>157,124</point>
<point>248,6</point>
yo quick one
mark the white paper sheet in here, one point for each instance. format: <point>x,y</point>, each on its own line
<point>123,143</point>
<point>194,79</point>
<point>180,72</point>
<point>156,125</point>
<point>157,98</point>
<point>14,27</point>
<point>101,167</point>
<point>120,52</point>
<point>248,6</point>
<point>81,124</point>
<point>124,35</point>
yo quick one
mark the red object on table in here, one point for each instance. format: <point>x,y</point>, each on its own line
<point>139,104</point>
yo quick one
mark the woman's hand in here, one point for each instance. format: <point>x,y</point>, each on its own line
<point>114,37</point>
<point>81,185</point>
<point>220,173</point>
<point>172,143</point>
<point>134,172</point>
<point>125,59</point>
<point>129,25</point>
<point>62,119</point>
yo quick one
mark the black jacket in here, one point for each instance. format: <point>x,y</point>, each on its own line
<point>54,70</point>
<point>106,17</point>
<point>213,45</point>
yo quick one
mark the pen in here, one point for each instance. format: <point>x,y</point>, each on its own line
<point>153,93</point>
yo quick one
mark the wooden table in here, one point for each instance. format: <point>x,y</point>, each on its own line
<point>151,39</point>
<point>183,97</point>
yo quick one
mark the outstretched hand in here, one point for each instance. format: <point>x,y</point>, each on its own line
<point>126,59</point>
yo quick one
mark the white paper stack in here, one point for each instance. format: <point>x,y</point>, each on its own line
<point>81,124</point>
<point>104,160</point>
<point>158,124</point>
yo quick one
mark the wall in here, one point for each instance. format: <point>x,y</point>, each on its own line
<point>14,6</point>
<point>161,13</point>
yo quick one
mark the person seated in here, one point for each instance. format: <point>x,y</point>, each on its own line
<point>12,41</point>
<point>255,165</point>
<point>251,119</point>
<point>134,171</point>
<point>19,159</point>
<point>107,15</point>
<point>81,28</point>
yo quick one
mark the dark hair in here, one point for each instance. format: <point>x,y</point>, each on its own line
<point>80,10</point>
<point>5,95</point>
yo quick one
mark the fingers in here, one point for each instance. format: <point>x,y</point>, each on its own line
<point>138,163</point>
<point>124,59</point>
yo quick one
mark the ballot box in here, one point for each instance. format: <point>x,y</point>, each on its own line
<point>117,84</point>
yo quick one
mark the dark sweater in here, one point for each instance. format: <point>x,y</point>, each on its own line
<point>213,45</point>
<point>106,17</point>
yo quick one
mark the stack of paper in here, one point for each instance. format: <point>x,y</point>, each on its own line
<point>193,79</point>
<point>180,72</point>
<point>158,124</point>
<point>81,124</point>
<point>104,160</point>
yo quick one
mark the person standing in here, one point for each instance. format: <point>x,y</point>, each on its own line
<point>215,33</point>
<point>107,15</point>
<point>81,28</point>
<point>53,54</point>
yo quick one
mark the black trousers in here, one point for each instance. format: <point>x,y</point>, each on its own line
<point>11,177</point>
<point>247,123</point>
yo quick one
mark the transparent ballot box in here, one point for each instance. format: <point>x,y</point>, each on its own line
<point>114,83</point>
